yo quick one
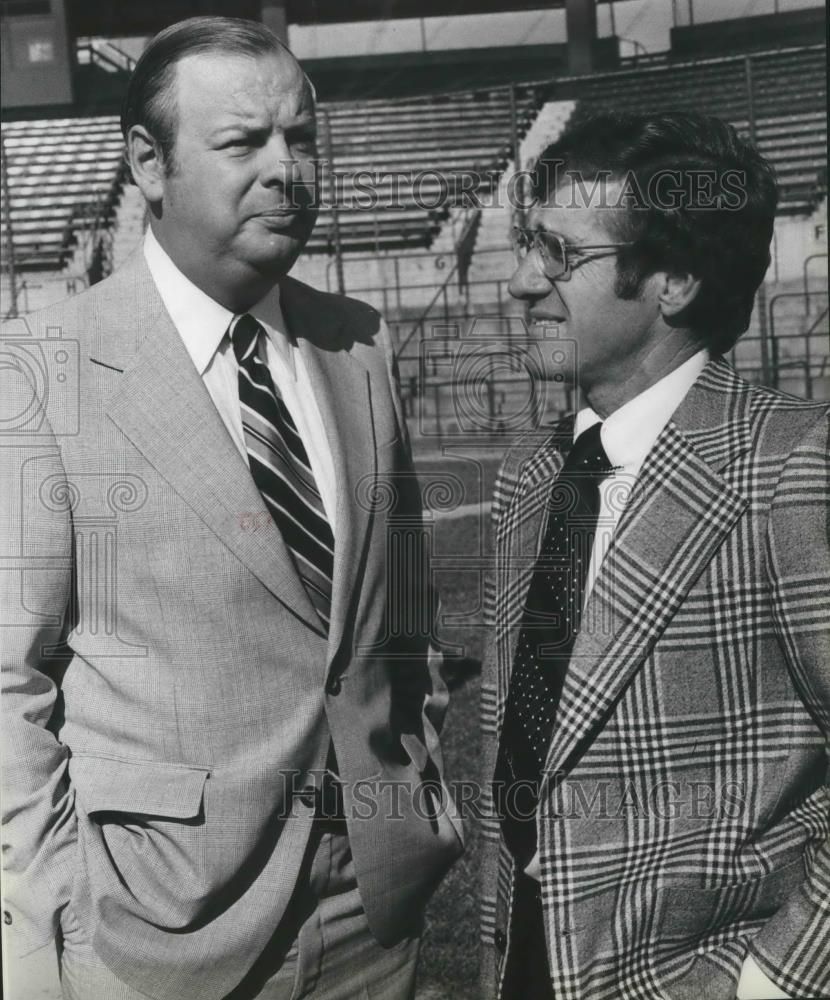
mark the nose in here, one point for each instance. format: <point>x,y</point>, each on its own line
<point>528,280</point>
<point>280,167</point>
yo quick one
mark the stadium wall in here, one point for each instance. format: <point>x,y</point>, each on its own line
<point>36,67</point>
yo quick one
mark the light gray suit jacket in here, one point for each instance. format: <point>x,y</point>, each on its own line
<point>166,683</point>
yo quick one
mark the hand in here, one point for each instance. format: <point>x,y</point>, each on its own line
<point>755,984</point>
<point>35,976</point>
<point>534,868</point>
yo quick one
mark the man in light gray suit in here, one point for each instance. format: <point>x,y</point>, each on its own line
<point>208,501</point>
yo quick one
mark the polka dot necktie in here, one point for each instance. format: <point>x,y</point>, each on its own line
<point>549,627</point>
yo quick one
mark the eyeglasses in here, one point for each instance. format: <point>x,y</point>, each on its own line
<point>558,258</point>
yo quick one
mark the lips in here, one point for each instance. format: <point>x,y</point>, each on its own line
<point>547,318</point>
<point>280,220</point>
<point>279,213</point>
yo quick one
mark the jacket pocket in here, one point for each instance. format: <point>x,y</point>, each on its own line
<point>144,830</point>
<point>105,784</point>
<point>688,913</point>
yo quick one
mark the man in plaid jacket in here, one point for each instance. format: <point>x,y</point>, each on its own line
<point>677,841</point>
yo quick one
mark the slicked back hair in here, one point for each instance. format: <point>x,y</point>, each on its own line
<point>150,100</point>
<point>714,218</point>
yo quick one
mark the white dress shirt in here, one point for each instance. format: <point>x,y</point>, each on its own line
<point>627,436</point>
<point>203,323</point>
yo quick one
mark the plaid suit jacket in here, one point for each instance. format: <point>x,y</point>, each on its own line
<point>195,692</point>
<point>684,810</point>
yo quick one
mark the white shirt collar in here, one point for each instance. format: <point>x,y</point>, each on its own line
<point>200,320</point>
<point>629,433</point>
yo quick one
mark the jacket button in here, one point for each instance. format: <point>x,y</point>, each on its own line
<point>334,686</point>
<point>7,917</point>
<point>501,940</point>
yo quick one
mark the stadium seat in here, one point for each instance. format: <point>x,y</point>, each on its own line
<point>66,175</point>
<point>782,80</point>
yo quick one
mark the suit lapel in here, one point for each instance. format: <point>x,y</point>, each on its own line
<point>165,410</point>
<point>679,514</point>
<point>343,394</point>
<point>521,527</point>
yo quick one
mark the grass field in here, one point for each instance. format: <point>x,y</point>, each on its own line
<point>449,957</point>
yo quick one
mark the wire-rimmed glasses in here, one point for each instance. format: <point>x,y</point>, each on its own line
<point>557,257</point>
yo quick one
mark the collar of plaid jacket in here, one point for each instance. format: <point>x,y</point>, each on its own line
<point>679,513</point>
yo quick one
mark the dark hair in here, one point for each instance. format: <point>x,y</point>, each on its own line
<point>719,231</point>
<point>150,100</point>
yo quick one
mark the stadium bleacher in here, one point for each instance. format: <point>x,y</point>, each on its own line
<point>64,176</point>
<point>67,175</point>
<point>422,152</point>
<point>789,105</point>
<point>417,156</point>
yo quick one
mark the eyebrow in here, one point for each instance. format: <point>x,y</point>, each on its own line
<point>243,124</point>
<point>551,232</point>
<point>308,122</point>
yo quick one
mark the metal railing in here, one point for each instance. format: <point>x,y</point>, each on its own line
<point>806,276</point>
<point>30,292</point>
<point>687,62</point>
<point>769,355</point>
<point>684,13</point>
<point>393,290</point>
<point>418,325</point>
<point>811,359</point>
<point>100,52</point>
<point>638,50</point>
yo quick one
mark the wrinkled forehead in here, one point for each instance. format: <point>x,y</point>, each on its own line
<point>580,208</point>
<point>216,84</point>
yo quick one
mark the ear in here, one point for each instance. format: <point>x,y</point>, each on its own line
<point>148,169</point>
<point>676,292</point>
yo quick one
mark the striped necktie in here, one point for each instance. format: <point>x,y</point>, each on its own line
<point>281,470</point>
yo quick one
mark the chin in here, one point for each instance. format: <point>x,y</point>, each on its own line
<point>278,257</point>
<point>272,251</point>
